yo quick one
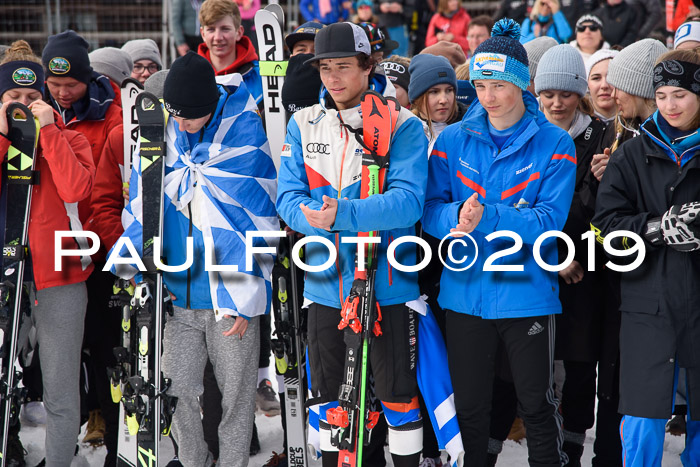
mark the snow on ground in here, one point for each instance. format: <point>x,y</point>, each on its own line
<point>270,433</point>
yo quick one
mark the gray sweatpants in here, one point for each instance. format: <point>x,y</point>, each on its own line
<point>191,336</point>
<point>59,314</point>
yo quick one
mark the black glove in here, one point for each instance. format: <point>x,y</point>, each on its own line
<point>677,228</point>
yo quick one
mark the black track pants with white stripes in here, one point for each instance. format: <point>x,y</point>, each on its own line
<point>472,345</point>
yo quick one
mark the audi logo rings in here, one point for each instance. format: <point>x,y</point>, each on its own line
<point>317,148</point>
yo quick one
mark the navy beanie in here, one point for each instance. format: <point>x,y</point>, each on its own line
<point>21,74</point>
<point>190,90</point>
<point>427,71</point>
<point>502,56</point>
<point>302,84</point>
<point>66,54</point>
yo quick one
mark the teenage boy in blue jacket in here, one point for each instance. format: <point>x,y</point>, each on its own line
<point>319,194</point>
<point>503,168</point>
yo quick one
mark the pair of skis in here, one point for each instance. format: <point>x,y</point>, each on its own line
<point>289,348</point>
<point>137,381</point>
<point>352,421</point>
<point>15,202</point>
<point>289,345</point>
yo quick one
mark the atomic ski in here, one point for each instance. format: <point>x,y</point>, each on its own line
<point>352,421</point>
<point>147,405</point>
<point>15,198</point>
<point>273,68</point>
<point>289,347</point>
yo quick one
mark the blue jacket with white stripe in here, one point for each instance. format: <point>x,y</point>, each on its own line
<point>526,188</point>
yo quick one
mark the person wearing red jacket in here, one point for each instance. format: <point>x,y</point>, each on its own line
<point>226,47</point>
<point>86,101</point>
<point>450,23</point>
<point>59,298</point>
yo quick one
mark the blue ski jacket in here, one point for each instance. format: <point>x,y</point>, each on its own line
<point>321,157</point>
<point>525,188</point>
<point>219,184</point>
<point>558,29</point>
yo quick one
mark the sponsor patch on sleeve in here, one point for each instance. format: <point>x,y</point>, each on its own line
<point>489,61</point>
<point>286,150</point>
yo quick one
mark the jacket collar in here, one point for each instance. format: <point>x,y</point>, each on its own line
<point>475,123</point>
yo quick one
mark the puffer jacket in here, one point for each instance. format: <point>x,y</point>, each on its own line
<point>321,157</point>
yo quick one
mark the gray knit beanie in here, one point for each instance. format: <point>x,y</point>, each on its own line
<point>535,49</point>
<point>114,63</point>
<point>561,68</point>
<point>143,49</point>
<point>155,83</point>
<point>632,70</point>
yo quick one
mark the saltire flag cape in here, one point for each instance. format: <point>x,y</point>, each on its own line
<point>228,180</point>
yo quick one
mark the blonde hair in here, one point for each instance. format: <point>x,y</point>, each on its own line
<point>535,12</point>
<point>20,50</point>
<point>462,72</point>
<point>215,10</point>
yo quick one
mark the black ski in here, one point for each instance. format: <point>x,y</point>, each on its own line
<point>16,197</point>
<point>289,347</point>
<point>147,405</point>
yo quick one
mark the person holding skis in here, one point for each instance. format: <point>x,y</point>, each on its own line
<point>59,298</point>
<point>651,187</point>
<point>319,194</point>
<point>86,101</point>
<point>219,183</point>
<point>503,168</point>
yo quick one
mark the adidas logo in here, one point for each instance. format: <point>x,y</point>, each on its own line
<point>535,329</point>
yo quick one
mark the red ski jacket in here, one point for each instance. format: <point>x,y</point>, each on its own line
<point>96,132</point>
<point>457,25</point>
<point>107,200</point>
<point>66,176</point>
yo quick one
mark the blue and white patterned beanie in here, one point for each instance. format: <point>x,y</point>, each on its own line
<point>502,56</point>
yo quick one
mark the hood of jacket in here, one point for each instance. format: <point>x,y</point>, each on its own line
<point>245,54</point>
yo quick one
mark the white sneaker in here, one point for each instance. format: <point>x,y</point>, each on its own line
<point>33,413</point>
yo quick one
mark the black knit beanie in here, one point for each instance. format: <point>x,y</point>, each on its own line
<point>66,55</point>
<point>301,85</point>
<point>190,90</point>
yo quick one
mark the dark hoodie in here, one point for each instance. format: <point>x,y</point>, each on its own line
<point>246,64</point>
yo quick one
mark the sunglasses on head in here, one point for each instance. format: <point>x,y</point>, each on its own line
<point>592,27</point>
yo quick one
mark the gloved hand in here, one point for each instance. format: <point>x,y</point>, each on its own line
<point>677,228</point>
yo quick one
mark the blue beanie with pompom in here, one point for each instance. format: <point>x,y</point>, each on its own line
<point>502,56</point>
